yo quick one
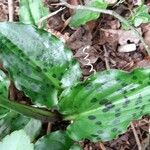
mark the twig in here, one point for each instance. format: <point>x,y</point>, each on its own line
<point>11,10</point>
<point>102,146</point>
<point>136,137</point>
<point>49,127</point>
<point>109,12</point>
<point>106,58</point>
<point>149,132</point>
<point>48,16</point>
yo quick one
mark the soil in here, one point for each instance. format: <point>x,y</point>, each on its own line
<point>104,37</point>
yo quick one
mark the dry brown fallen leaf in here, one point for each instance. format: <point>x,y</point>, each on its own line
<point>3,14</point>
<point>147,35</point>
<point>93,55</point>
<point>80,38</point>
<point>125,36</point>
<point>145,63</point>
<point>127,40</point>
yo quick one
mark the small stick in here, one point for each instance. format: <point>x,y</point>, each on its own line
<point>48,16</point>
<point>149,132</point>
<point>109,12</point>
<point>11,10</point>
<point>102,146</point>
<point>136,137</point>
<point>49,127</point>
<point>106,58</point>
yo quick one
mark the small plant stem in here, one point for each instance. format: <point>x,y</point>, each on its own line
<point>106,58</point>
<point>40,22</point>
<point>29,111</point>
<point>11,10</point>
<point>109,12</point>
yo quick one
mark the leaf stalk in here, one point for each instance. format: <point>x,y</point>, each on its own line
<point>29,111</point>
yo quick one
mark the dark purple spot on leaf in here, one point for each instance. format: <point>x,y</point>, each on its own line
<point>139,100</point>
<point>134,77</point>
<point>91,117</point>
<point>105,109</point>
<point>125,91</point>
<point>38,69</point>
<point>98,123</point>
<point>93,100</point>
<point>100,131</point>
<point>54,75</point>
<point>118,79</point>
<point>45,69</point>
<point>140,82</point>
<point>148,83</point>
<point>127,101</point>
<point>103,101</point>
<point>123,84</point>
<point>133,89</point>
<point>114,129</point>
<point>117,114</point>
<point>109,105</point>
<point>98,138</point>
<point>138,107</point>
<point>117,110</point>
<point>94,135</point>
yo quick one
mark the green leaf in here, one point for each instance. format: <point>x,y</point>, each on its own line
<point>55,141</point>
<point>33,128</point>
<point>4,84</point>
<point>30,11</point>
<point>38,62</point>
<point>138,16</point>
<point>17,140</point>
<point>103,106</point>
<point>81,17</point>
<point>14,121</point>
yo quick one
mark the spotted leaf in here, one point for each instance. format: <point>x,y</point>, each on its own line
<point>38,62</point>
<point>103,106</point>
